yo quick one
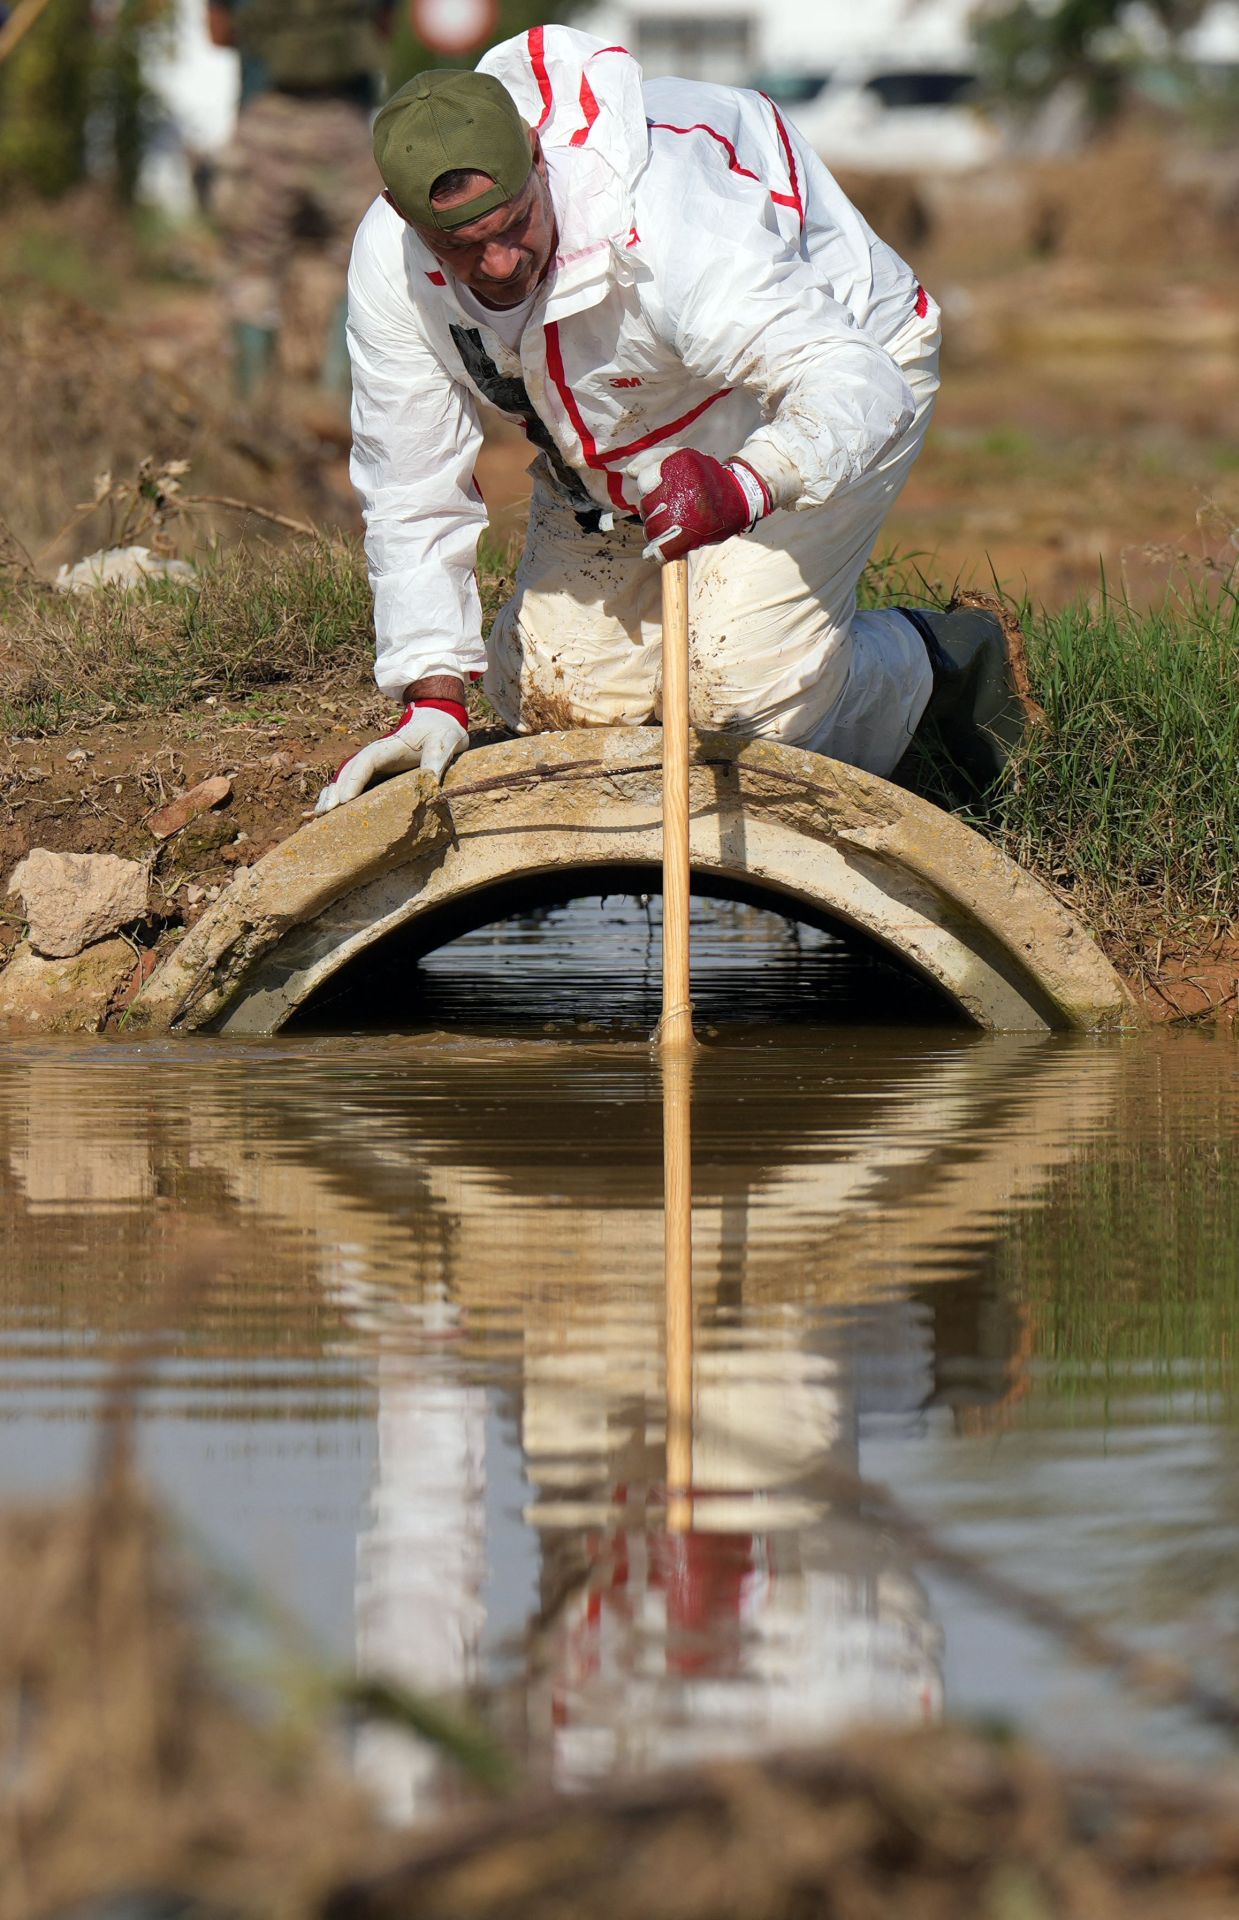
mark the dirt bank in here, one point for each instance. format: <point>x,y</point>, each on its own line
<point>101,789</point>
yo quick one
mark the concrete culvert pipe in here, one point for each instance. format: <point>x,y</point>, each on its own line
<point>807,834</point>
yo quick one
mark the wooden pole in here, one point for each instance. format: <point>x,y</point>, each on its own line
<point>675,1029</point>
<point>677,1076</point>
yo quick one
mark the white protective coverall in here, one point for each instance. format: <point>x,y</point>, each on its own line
<point>713,288</point>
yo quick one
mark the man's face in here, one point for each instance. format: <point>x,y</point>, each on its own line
<point>503,256</point>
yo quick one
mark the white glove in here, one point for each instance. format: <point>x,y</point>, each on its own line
<point>424,737</point>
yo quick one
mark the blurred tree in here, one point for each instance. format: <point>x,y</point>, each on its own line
<point>127,109</point>
<point>73,99</point>
<point>1030,48</point>
<point>409,54</point>
<point>45,101</point>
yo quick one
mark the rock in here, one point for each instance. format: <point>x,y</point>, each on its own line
<point>178,813</point>
<point>66,995</point>
<point>119,567</point>
<point>72,899</point>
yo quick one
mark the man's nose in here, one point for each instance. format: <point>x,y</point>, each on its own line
<point>499,262</point>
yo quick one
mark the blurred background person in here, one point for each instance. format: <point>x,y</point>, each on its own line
<point>299,168</point>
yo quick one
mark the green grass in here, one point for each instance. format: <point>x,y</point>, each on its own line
<point>253,621</point>
<point>1130,797</point>
<point>1128,801</point>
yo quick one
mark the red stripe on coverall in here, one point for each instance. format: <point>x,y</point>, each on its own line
<point>589,107</point>
<point>794,178</point>
<point>699,126</point>
<point>536,42</point>
<point>733,158</point>
<point>589,446</point>
<point>599,461</point>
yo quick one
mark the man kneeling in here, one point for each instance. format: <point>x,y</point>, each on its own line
<point>713,354</point>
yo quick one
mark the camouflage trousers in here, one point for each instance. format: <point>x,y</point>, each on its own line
<point>298,171</point>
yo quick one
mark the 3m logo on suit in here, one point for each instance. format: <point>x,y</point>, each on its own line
<point>628,380</point>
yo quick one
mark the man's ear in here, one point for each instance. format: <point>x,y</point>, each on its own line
<point>395,209</point>
<point>535,147</point>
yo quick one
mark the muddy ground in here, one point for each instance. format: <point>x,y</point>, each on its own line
<point>1089,421</point>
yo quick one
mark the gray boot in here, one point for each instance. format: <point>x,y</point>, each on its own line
<point>981,705</point>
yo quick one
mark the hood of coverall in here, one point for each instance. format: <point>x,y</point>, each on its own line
<point>584,99</point>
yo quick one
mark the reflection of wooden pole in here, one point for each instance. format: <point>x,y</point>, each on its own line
<point>675,1040</point>
<point>676,1026</point>
<point>677,1072</point>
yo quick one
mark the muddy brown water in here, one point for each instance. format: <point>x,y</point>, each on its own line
<point>418,1397</point>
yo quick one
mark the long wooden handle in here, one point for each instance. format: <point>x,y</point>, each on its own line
<point>676,1026</point>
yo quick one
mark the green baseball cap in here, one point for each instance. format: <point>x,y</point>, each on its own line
<point>444,120</point>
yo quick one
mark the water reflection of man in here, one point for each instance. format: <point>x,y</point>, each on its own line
<point>778,1617</point>
<point>516,1535</point>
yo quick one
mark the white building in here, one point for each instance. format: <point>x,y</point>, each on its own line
<point>881,85</point>
<point>733,40</point>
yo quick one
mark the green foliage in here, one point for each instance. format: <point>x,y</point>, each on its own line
<point>45,95</point>
<point>1027,50</point>
<point>1127,802</point>
<point>78,70</point>
<point>126,106</point>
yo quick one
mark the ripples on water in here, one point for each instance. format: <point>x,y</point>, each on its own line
<point>422,1395</point>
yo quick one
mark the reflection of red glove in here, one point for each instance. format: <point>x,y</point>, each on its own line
<point>692,500</point>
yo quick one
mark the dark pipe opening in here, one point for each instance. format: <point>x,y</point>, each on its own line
<point>547,961</point>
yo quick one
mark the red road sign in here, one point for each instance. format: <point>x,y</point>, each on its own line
<point>454,26</point>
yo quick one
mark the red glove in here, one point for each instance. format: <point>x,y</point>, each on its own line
<point>693,500</point>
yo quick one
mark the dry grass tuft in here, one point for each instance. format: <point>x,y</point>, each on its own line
<point>127,1764</point>
<point>255,618</point>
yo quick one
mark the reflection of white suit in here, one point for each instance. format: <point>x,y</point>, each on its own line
<point>810,1618</point>
<point>786,1619</point>
<point>421,1565</point>
<point>776,1619</point>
